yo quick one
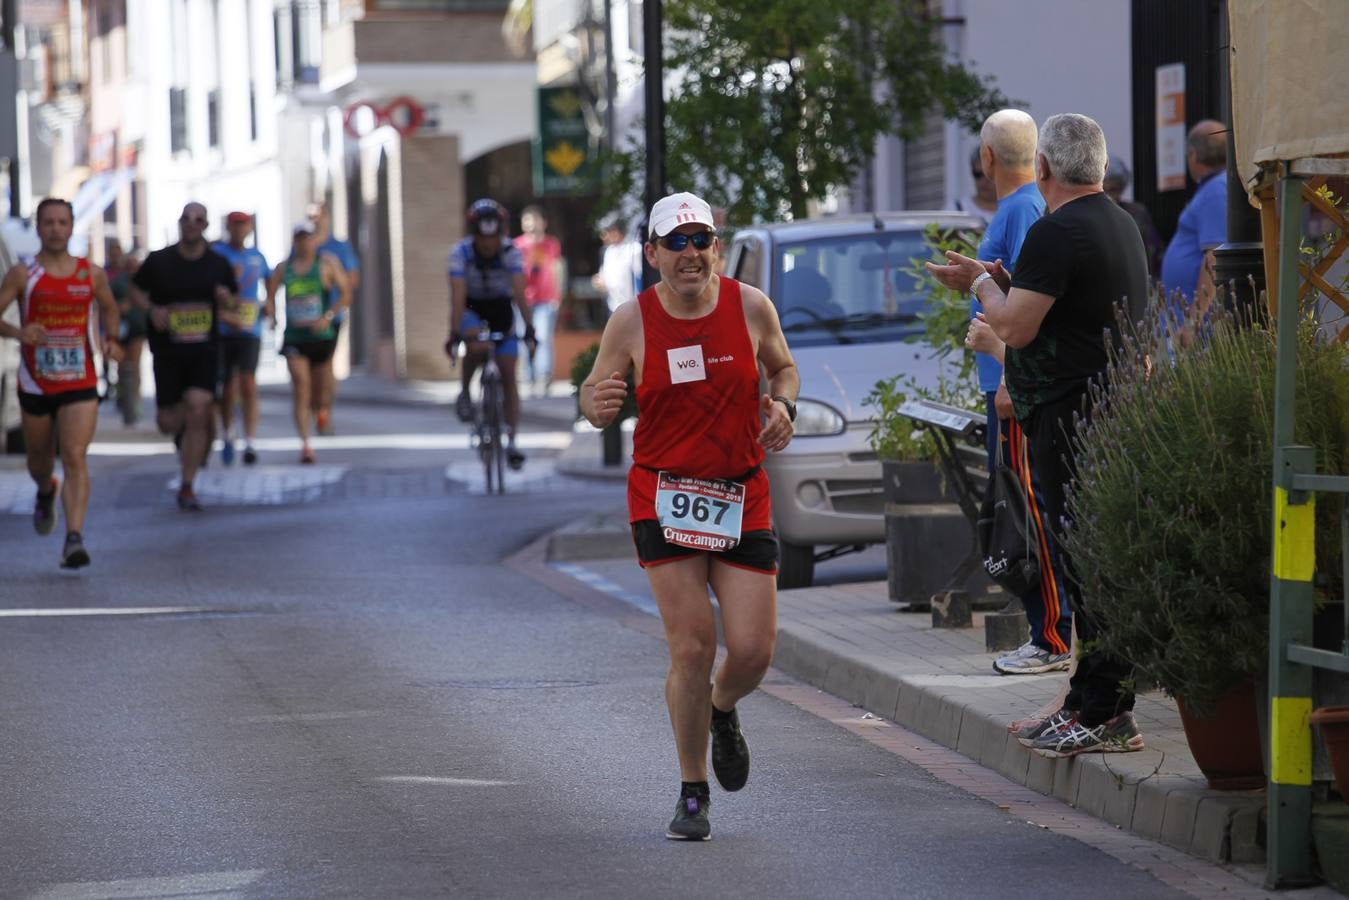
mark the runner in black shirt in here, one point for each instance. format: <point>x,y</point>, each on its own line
<point>1077,263</point>
<point>182,287</point>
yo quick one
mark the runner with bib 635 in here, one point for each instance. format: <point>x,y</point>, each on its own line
<point>698,499</point>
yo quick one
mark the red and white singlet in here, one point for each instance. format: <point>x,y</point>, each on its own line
<point>698,404</point>
<point>64,361</point>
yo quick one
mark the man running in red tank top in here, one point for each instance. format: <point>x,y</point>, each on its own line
<point>58,384</point>
<point>697,499</point>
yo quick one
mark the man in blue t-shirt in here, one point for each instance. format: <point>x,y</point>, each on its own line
<point>1187,266</point>
<point>1007,153</point>
<point>241,335</point>
<point>1008,143</point>
<point>325,388</point>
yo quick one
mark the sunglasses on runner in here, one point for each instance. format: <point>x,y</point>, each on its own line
<point>676,242</point>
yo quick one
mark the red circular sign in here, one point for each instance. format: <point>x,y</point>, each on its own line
<point>403,114</point>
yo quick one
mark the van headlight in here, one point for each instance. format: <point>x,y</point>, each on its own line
<point>815,419</point>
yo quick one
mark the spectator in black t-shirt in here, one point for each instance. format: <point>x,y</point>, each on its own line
<point>183,287</point>
<point>1117,178</point>
<point>1078,263</point>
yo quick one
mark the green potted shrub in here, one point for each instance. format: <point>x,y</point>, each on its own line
<point>1172,516</point>
<point>922,522</point>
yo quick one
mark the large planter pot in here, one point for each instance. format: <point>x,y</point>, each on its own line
<point>1333,723</point>
<point>924,531</point>
<point>1226,745</point>
<point>927,537</point>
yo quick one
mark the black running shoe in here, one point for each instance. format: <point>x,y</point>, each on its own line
<point>73,554</point>
<point>187,500</point>
<point>44,509</point>
<point>250,456</point>
<point>730,753</point>
<point>515,459</point>
<point>690,821</point>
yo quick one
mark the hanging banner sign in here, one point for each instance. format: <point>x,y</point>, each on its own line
<point>563,154</point>
<point>1171,127</point>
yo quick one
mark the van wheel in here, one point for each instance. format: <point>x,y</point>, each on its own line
<point>796,566</point>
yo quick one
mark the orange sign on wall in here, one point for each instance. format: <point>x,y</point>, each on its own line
<point>1171,127</point>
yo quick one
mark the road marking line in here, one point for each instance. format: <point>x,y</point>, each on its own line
<point>105,611</point>
<point>205,886</point>
<point>600,583</point>
<point>537,440</point>
<point>452,782</point>
<point>283,718</point>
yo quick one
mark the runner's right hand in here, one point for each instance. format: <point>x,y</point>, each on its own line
<point>32,333</point>
<point>159,317</point>
<point>452,347</point>
<point>608,399</point>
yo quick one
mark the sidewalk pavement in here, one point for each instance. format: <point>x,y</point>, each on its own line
<point>556,408</point>
<point>852,641</point>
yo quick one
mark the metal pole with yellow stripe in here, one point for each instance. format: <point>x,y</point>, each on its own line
<point>1288,852</point>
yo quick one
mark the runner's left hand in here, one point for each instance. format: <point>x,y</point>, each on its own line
<point>777,430</point>
<point>112,350</point>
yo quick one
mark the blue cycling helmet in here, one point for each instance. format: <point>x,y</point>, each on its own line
<point>488,218</point>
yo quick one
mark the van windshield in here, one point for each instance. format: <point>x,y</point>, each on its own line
<point>851,289</point>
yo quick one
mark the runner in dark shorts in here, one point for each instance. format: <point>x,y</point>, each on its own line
<point>698,500</point>
<point>240,329</point>
<point>182,287</point>
<point>309,279</point>
<point>58,380</point>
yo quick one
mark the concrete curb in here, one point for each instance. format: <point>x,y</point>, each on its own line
<point>1176,810</point>
<point>1213,825</point>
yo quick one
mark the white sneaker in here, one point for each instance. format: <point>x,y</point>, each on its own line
<point>1028,659</point>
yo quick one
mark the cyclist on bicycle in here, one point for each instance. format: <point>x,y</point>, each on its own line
<point>487,287</point>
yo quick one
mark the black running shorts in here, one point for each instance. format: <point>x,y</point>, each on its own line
<point>317,352</point>
<point>239,353</point>
<point>178,369</point>
<point>48,404</point>
<point>757,550</point>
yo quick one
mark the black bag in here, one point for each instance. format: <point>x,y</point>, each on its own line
<point>1006,535</point>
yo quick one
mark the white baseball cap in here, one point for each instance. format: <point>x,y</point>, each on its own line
<point>679,209</point>
<point>304,226</point>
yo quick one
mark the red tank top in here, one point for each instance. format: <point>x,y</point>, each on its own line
<point>698,403</point>
<point>64,361</point>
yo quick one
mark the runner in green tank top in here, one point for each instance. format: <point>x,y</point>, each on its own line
<point>310,337</point>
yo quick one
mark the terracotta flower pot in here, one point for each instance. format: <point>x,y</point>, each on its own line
<point>1333,722</point>
<point>1226,745</point>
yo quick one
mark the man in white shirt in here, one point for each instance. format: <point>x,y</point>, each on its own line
<point>620,266</point>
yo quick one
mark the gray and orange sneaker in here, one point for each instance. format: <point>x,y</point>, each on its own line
<point>1118,735</point>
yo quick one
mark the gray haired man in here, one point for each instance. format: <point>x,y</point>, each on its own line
<point>1079,261</point>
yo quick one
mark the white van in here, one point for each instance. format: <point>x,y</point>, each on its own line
<point>17,241</point>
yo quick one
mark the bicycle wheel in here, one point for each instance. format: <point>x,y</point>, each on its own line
<point>492,451</point>
<point>498,442</point>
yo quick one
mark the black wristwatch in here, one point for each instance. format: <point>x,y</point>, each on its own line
<point>791,408</point>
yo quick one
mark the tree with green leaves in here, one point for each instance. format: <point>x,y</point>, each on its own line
<point>778,101</point>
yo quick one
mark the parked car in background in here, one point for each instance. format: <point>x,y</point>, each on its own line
<point>16,240</point>
<point>849,306</point>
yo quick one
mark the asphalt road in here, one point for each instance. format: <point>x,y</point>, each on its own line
<point>357,698</point>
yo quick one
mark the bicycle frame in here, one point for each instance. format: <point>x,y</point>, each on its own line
<point>490,415</point>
